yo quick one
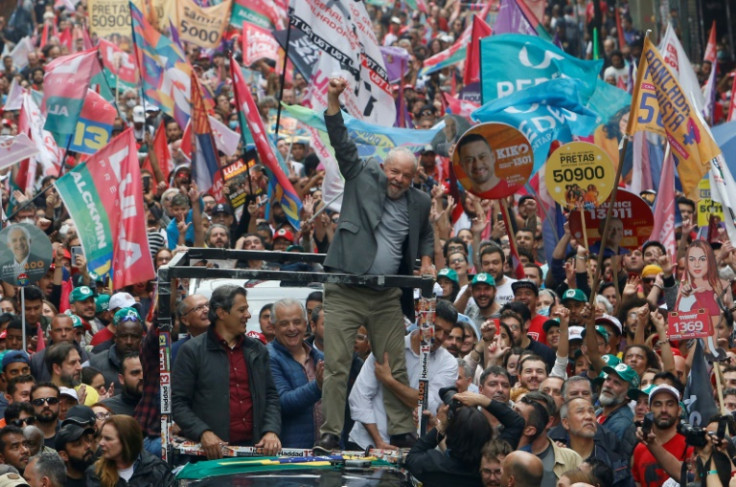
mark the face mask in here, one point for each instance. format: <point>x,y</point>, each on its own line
<point>130,103</point>
<point>234,124</point>
<point>543,311</point>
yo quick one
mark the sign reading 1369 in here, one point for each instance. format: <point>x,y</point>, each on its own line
<point>579,174</point>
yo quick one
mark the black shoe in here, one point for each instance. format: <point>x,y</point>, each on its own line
<point>406,440</point>
<point>326,445</point>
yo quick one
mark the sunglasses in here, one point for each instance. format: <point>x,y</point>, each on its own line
<point>51,401</point>
<point>20,422</point>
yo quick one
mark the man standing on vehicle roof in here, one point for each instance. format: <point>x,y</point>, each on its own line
<point>383,227</point>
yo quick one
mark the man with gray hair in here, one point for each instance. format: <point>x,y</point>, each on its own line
<point>46,470</point>
<point>19,243</point>
<point>297,370</point>
<point>383,228</point>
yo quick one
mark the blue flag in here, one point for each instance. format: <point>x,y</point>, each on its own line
<point>514,62</point>
<point>550,111</point>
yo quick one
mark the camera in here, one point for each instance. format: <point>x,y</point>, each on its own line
<point>694,435</point>
<point>447,394</point>
<point>646,424</point>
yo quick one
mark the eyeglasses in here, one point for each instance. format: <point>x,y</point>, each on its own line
<point>51,401</point>
<point>457,261</point>
<point>360,337</point>
<point>102,415</point>
<point>20,422</point>
<point>199,308</point>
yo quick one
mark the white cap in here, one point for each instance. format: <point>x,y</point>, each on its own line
<point>139,115</point>
<point>120,300</point>
<point>664,388</point>
<point>574,332</point>
<point>66,391</point>
<point>612,320</point>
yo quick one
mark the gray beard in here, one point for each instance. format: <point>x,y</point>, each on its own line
<point>607,400</point>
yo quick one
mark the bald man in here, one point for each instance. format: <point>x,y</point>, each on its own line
<point>521,469</point>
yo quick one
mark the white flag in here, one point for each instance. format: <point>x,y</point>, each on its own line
<point>15,149</point>
<point>674,55</point>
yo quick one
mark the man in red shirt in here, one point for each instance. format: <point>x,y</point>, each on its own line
<point>525,291</point>
<point>662,451</point>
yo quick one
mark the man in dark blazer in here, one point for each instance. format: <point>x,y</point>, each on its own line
<point>383,228</point>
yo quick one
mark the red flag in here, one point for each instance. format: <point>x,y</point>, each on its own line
<point>66,38</point>
<point>45,35</point>
<point>664,209</point>
<point>710,48</point>
<point>163,156</point>
<point>472,62</point>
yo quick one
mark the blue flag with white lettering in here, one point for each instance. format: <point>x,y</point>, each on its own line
<point>546,112</point>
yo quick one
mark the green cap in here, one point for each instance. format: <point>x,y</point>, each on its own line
<point>101,303</point>
<point>611,360</point>
<point>574,295</point>
<point>484,278</point>
<point>76,320</point>
<point>602,332</point>
<point>125,314</point>
<point>635,394</point>
<point>448,274</point>
<point>80,293</point>
<point>625,372</point>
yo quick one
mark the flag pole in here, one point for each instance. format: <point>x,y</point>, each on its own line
<point>619,168</point>
<point>283,71</point>
<point>117,84</point>
<point>243,125</point>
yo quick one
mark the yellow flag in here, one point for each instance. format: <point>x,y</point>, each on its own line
<point>660,105</point>
<point>202,26</point>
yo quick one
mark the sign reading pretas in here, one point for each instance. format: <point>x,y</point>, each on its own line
<point>109,17</point>
<point>202,26</point>
<point>579,174</point>
<point>493,160</point>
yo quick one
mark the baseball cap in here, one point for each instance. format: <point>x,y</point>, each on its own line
<point>14,356</point>
<point>69,392</point>
<point>284,233</point>
<point>550,323</point>
<point>120,300</point>
<point>611,360</point>
<point>125,314</point>
<point>428,148</point>
<point>222,208</point>
<point>139,115</point>
<point>102,303</point>
<point>575,333</point>
<point>484,278</point>
<point>11,479</point>
<point>635,394</point>
<point>257,336</point>
<point>600,330</point>
<point>664,388</point>
<point>574,295</point>
<point>80,415</point>
<point>625,373</point>
<point>68,433</point>
<point>76,320</point>
<point>81,293</point>
<point>606,318</point>
<point>524,284</point>
<point>448,273</point>
<point>651,270</point>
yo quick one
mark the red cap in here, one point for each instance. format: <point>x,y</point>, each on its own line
<point>3,335</point>
<point>284,233</point>
<point>253,334</point>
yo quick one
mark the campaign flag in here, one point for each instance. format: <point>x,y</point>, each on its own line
<point>94,125</point>
<point>31,122</point>
<point>397,62</point>
<point>104,197</point>
<point>226,140</point>
<point>202,26</point>
<point>456,106</point>
<point>709,93</point>
<point>240,88</point>
<point>676,59</point>
<point>160,151</point>
<point>15,149</point>
<point>661,106</point>
<point>512,62</point>
<point>723,191</point>
<point>119,62</point>
<point>164,69</point>
<point>456,53</point>
<point>303,54</point>
<point>258,43</point>
<point>205,162</point>
<point>698,397</point>
<point>64,89</point>
<point>14,100</point>
<point>664,207</point>
<point>553,110</point>
<point>19,53</point>
<point>472,63</point>
<point>711,50</point>
<point>266,14</point>
<point>515,17</point>
<point>290,202</point>
<point>344,32</point>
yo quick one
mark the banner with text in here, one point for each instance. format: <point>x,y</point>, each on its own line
<point>202,26</point>
<point>109,17</point>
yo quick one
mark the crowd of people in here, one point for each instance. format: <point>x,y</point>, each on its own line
<point>531,382</point>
